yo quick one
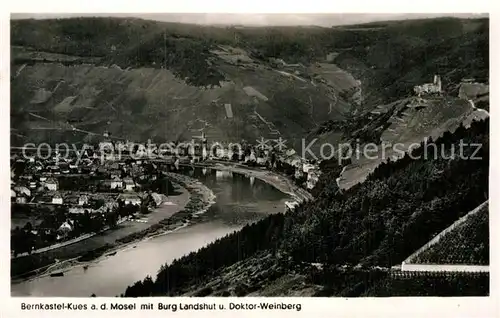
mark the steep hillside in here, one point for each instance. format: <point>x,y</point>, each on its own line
<point>353,237</point>
<point>468,243</point>
<point>143,79</point>
<point>164,89</point>
<point>402,125</point>
<point>142,103</point>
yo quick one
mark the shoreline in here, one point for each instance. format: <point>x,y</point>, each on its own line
<point>272,178</point>
<point>200,199</point>
<point>164,226</point>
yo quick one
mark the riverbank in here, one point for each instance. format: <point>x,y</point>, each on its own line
<point>272,178</point>
<point>240,201</point>
<point>199,199</point>
<point>34,265</point>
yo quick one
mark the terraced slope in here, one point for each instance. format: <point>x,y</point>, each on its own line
<point>142,103</point>
<point>468,243</point>
<point>53,98</point>
<point>431,284</point>
<point>403,124</point>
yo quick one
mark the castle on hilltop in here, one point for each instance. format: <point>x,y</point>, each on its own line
<point>429,88</point>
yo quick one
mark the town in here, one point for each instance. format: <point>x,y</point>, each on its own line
<point>57,200</point>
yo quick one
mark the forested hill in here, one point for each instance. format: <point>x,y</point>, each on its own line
<point>378,223</point>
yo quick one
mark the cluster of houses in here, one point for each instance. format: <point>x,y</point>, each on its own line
<point>62,231</point>
<point>38,180</point>
<point>24,190</point>
<point>303,168</point>
<point>197,151</point>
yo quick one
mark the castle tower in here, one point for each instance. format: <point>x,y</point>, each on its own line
<point>437,82</point>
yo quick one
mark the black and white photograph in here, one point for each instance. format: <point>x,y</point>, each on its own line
<point>249,155</point>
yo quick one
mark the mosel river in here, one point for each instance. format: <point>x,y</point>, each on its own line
<point>240,200</point>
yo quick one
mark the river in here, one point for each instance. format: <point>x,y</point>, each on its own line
<point>240,200</point>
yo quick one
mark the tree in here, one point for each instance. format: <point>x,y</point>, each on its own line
<point>111,218</point>
<point>144,209</point>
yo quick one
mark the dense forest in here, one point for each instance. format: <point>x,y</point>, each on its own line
<point>378,223</point>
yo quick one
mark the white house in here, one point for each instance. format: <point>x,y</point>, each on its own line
<point>76,210</point>
<point>141,150</point>
<point>57,199</point>
<point>21,199</point>
<point>130,199</point>
<point>83,199</point>
<point>261,160</point>
<point>290,152</point>
<point>23,190</point>
<point>251,157</point>
<point>307,167</point>
<point>65,226</point>
<point>129,184</point>
<point>51,184</point>
<point>116,183</point>
<point>64,229</point>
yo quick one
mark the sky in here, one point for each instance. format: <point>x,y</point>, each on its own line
<point>325,20</point>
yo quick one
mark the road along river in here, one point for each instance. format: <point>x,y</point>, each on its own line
<point>239,200</point>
